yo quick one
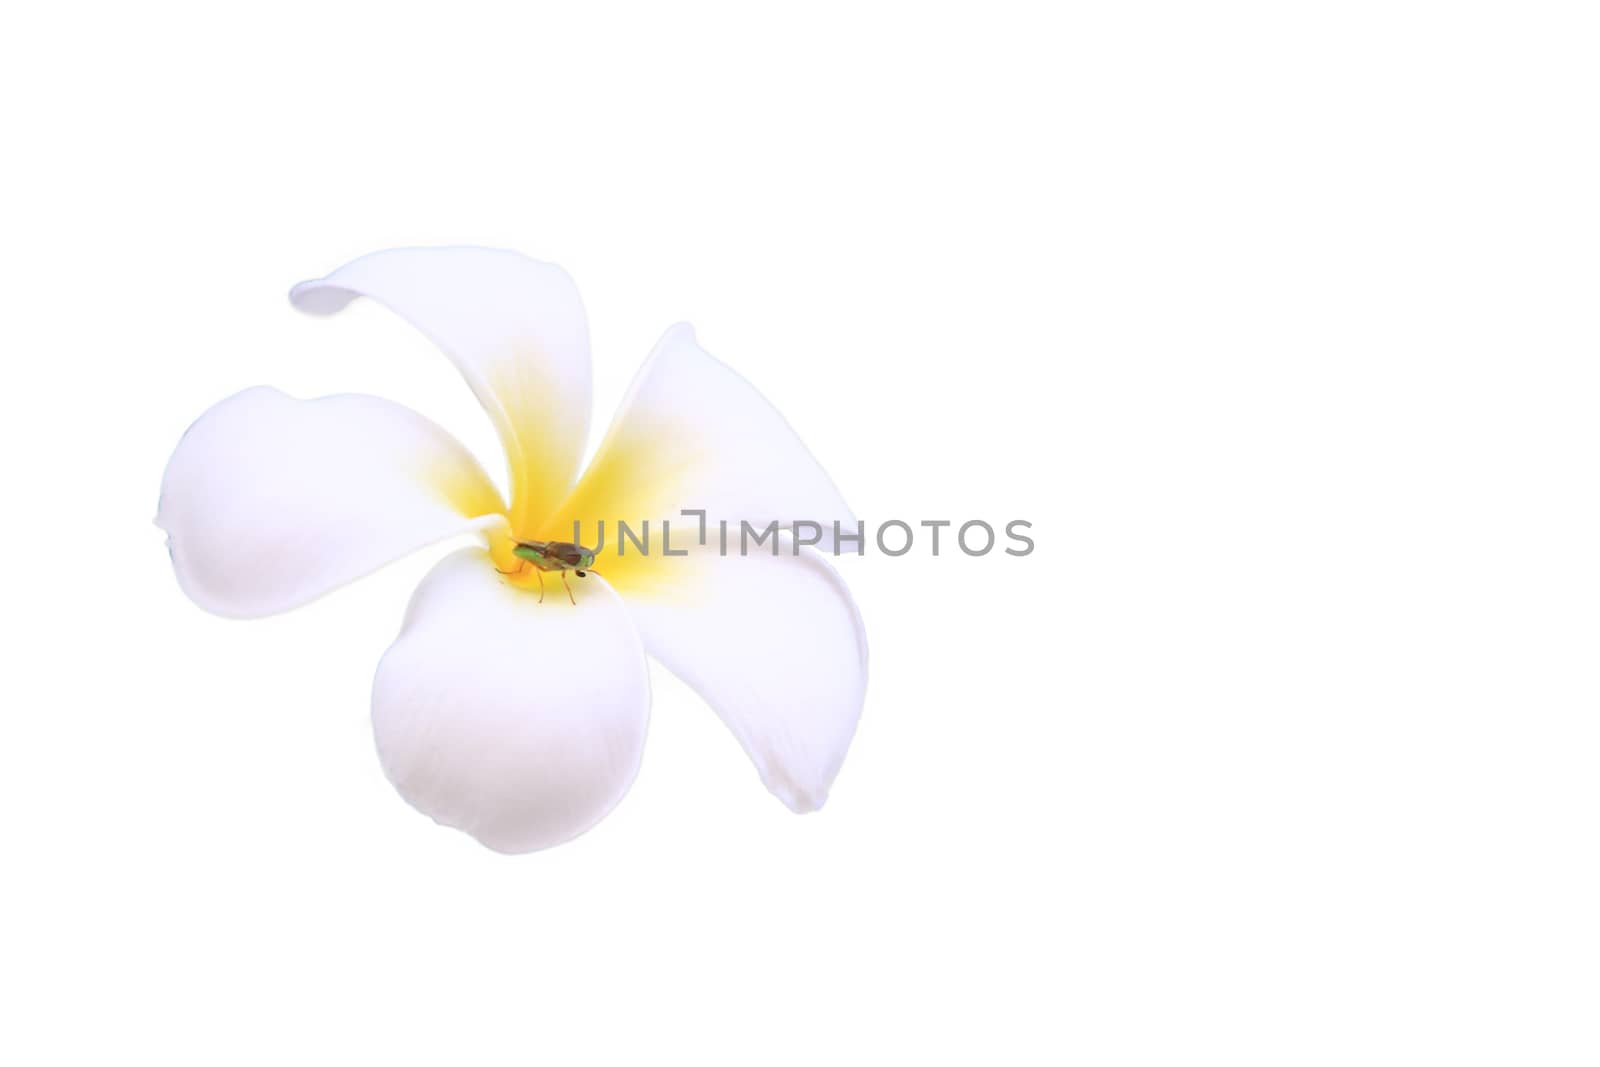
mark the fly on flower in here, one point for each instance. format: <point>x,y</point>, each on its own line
<point>560,556</point>
<point>517,721</point>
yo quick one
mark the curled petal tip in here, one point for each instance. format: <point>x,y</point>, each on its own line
<point>315,297</point>
<point>797,800</point>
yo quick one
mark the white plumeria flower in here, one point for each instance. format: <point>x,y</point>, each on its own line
<point>519,720</point>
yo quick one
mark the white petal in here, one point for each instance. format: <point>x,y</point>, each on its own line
<point>775,645</point>
<point>516,330</point>
<point>693,434</point>
<point>518,722</point>
<point>269,501</point>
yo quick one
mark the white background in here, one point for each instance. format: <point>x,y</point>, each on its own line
<point>1277,321</point>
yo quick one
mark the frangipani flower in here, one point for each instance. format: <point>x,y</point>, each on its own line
<point>517,719</point>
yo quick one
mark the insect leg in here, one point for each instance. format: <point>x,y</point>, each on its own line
<point>568,588</point>
<point>541,585</point>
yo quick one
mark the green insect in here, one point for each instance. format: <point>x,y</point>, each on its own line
<point>560,556</point>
